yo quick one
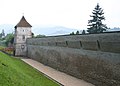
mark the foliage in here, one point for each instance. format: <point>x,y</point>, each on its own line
<point>14,72</point>
<point>2,42</point>
<point>77,32</point>
<point>9,38</point>
<point>72,33</point>
<point>2,48</point>
<point>39,36</point>
<point>32,35</point>
<point>8,50</point>
<point>83,32</point>
<point>2,35</point>
<point>95,24</point>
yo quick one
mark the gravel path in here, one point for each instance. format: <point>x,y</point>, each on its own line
<point>60,77</point>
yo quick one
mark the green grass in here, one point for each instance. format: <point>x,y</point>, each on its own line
<point>14,72</point>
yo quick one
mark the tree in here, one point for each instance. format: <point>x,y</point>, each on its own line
<point>77,32</point>
<point>3,33</point>
<point>32,35</point>
<point>0,35</point>
<point>39,36</point>
<point>72,33</point>
<point>83,32</point>
<point>9,38</point>
<point>95,24</point>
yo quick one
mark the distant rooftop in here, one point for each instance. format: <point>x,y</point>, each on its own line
<point>23,23</point>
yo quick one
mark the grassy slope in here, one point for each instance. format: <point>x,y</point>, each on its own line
<point>14,72</point>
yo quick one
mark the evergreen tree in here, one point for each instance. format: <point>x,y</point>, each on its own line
<point>32,35</point>
<point>72,33</point>
<point>77,32</point>
<point>3,33</point>
<point>83,32</point>
<point>95,24</point>
<point>0,35</point>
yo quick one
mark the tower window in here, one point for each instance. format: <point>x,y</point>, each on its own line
<point>23,37</point>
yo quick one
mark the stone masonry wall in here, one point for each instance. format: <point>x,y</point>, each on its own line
<point>94,58</point>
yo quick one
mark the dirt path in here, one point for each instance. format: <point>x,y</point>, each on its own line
<point>60,77</point>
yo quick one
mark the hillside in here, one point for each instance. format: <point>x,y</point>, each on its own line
<point>14,72</point>
<point>41,29</point>
<point>52,30</point>
<point>48,30</point>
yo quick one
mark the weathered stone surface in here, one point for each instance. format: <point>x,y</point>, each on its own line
<point>97,60</point>
<point>109,42</point>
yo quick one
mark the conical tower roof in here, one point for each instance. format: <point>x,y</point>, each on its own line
<point>23,23</point>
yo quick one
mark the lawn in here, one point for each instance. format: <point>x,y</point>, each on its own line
<point>14,72</point>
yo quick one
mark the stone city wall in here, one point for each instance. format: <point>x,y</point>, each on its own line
<point>94,58</point>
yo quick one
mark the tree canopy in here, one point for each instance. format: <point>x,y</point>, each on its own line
<point>39,36</point>
<point>9,38</point>
<point>95,24</point>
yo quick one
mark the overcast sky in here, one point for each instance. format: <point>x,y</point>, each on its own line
<point>68,13</point>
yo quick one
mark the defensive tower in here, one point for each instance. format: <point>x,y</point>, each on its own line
<point>22,32</point>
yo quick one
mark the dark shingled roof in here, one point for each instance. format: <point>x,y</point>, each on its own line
<point>23,23</point>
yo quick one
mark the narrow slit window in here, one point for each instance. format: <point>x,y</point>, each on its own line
<point>23,37</point>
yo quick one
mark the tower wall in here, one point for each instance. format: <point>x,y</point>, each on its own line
<point>21,34</point>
